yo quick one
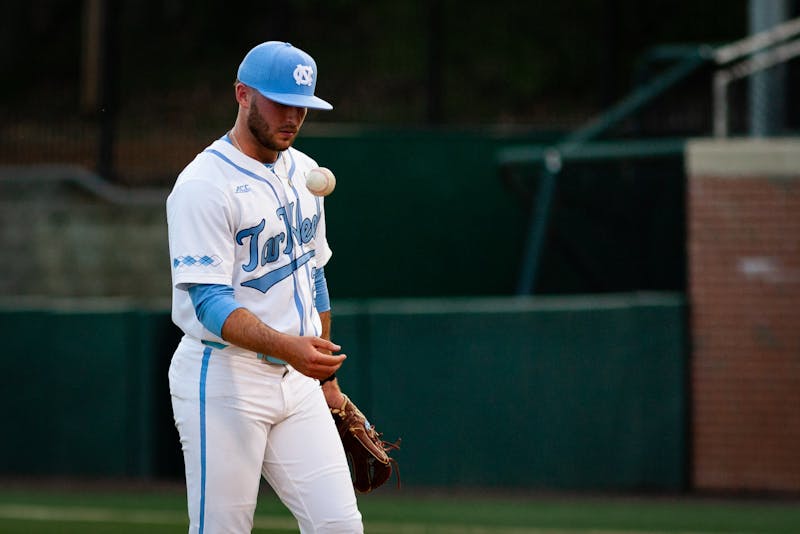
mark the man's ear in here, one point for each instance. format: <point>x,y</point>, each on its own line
<point>242,93</point>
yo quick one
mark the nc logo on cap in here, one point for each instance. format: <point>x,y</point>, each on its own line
<point>303,75</point>
<point>282,73</point>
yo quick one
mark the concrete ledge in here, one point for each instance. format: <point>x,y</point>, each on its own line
<point>87,180</point>
<point>733,158</point>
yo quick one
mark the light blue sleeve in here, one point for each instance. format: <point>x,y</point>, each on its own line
<point>213,303</point>
<point>321,300</point>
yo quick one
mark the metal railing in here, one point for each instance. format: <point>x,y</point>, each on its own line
<point>85,179</point>
<point>746,57</point>
<point>574,146</point>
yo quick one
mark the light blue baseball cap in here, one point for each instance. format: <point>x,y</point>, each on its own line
<point>282,73</point>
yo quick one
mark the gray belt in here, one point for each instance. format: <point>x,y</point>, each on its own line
<point>266,357</point>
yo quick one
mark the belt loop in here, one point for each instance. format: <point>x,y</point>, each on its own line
<point>271,359</point>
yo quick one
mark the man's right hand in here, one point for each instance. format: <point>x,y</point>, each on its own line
<point>305,353</point>
<point>309,356</point>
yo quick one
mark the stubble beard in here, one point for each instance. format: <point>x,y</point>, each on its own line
<point>261,132</point>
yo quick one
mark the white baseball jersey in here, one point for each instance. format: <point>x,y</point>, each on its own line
<point>236,221</point>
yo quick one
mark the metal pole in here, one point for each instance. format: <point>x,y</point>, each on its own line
<point>435,86</point>
<point>553,157</point>
<point>720,100</point>
<point>537,227</point>
<point>748,67</point>
<point>767,89</point>
<point>102,16</point>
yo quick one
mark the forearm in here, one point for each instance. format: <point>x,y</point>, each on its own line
<point>312,356</point>
<point>215,306</point>
<point>243,329</point>
<point>325,319</point>
<point>330,388</point>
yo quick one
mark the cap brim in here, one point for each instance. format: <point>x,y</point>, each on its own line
<point>300,101</point>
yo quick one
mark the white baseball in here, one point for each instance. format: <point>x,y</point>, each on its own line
<point>320,181</point>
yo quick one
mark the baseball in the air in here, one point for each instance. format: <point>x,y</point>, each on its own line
<point>320,181</point>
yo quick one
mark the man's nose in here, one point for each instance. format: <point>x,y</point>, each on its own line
<point>295,115</point>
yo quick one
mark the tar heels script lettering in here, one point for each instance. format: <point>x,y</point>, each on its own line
<point>272,247</point>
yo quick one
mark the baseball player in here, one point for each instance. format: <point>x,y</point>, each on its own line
<point>248,249</point>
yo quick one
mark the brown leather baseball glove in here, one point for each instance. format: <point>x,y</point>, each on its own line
<point>367,453</point>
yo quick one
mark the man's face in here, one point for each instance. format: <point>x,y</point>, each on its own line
<point>274,125</point>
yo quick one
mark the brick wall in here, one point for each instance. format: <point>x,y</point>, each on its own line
<point>744,290</point>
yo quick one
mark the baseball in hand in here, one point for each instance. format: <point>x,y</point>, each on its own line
<point>320,181</point>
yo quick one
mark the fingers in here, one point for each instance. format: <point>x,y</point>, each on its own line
<point>325,344</point>
<point>329,360</point>
<point>320,364</point>
<point>323,365</point>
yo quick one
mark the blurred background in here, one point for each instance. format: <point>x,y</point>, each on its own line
<point>567,231</point>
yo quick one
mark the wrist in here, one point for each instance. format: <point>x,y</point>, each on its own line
<point>333,395</point>
<point>326,380</point>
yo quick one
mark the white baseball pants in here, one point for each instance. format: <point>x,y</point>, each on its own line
<point>240,418</point>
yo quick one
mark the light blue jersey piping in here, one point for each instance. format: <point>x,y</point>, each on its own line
<point>203,467</point>
<point>298,303</point>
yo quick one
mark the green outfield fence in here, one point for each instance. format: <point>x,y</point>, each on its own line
<point>584,392</point>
